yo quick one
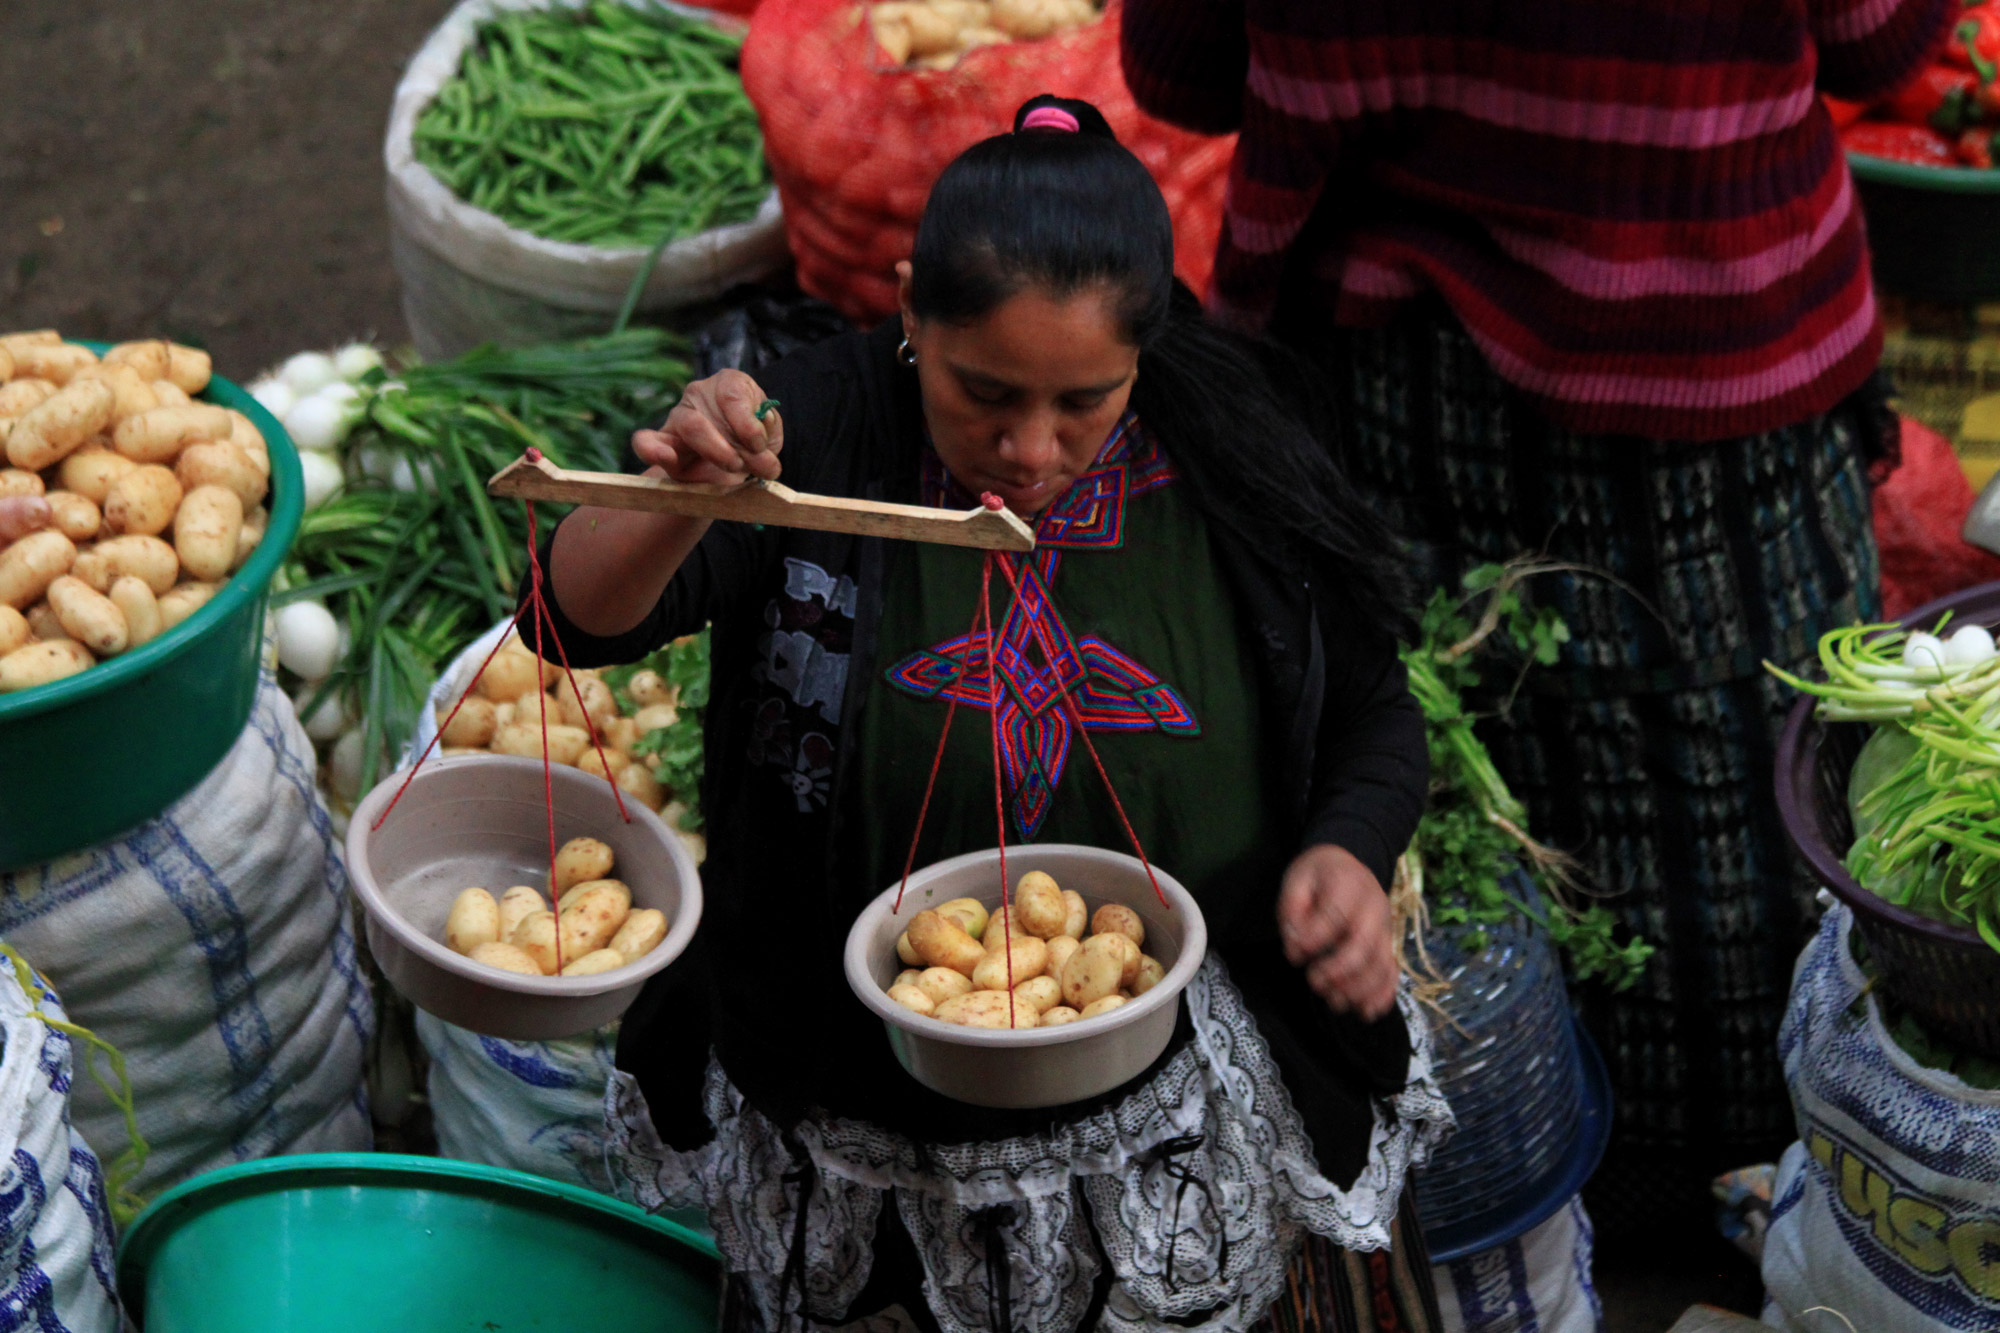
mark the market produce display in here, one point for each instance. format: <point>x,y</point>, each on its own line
<point>149,500</point>
<point>960,962</point>
<point>1948,115</point>
<point>936,34</point>
<point>1924,792</point>
<point>592,927</point>
<point>607,125</point>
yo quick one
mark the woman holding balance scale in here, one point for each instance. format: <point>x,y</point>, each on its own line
<point>1216,598</point>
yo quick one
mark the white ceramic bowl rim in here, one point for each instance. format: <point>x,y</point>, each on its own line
<point>1193,949</point>
<point>686,920</point>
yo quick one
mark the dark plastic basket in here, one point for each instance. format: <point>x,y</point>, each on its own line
<point>1930,229</point>
<point>1944,974</point>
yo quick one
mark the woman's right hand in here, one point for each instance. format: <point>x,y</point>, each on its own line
<point>713,434</point>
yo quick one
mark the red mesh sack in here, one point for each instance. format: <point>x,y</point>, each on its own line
<point>1919,512</point>
<point>854,143</point>
<point>744,7</point>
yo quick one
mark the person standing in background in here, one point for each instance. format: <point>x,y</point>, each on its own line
<point>1590,279</point>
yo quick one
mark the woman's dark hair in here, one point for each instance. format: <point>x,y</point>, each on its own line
<point>1065,211</point>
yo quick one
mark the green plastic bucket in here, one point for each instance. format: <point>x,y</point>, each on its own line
<point>1931,230</point>
<point>334,1242</point>
<point>84,759</point>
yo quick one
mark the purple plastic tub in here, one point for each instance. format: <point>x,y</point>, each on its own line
<point>1944,974</point>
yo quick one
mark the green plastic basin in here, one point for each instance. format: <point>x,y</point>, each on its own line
<point>1934,231</point>
<point>346,1241</point>
<point>86,758</point>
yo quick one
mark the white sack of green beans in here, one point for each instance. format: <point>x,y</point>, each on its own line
<point>540,151</point>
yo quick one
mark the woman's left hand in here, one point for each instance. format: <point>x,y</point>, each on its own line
<point>1334,920</point>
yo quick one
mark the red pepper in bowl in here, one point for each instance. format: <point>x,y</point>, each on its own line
<point>1918,144</point>
<point>1946,99</point>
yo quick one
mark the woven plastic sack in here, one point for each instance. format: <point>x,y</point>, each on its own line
<point>1920,513</point>
<point>1539,1283</point>
<point>854,145</point>
<point>1888,1208</point>
<point>212,946</point>
<point>468,277</point>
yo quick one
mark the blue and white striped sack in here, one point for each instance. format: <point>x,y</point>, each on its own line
<point>56,1271</point>
<point>1887,1210</point>
<point>1539,1283</point>
<point>214,947</point>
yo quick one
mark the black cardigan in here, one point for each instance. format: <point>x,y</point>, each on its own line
<point>794,617</point>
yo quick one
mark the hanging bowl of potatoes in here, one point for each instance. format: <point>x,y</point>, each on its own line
<point>467,919</point>
<point>1074,994</point>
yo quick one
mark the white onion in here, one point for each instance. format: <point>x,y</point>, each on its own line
<point>308,372</point>
<point>355,360</point>
<point>323,478</point>
<point>1970,646</point>
<point>308,638</point>
<point>341,394</point>
<point>344,765</point>
<point>276,396</point>
<point>403,477</point>
<point>316,423</point>
<point>1924,650</point>
<point>328,720</point>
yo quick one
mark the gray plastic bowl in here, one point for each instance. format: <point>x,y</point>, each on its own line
<point>1039,1066</point>
<point>481,819</point>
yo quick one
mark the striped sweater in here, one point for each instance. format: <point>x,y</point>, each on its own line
<point>1637,207</point>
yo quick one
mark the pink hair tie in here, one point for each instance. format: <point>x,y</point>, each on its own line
<point>1050,118</point>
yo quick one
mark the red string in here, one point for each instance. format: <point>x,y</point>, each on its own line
<point>923,811</point>
<point>548,777</point>
<point>999,786</point>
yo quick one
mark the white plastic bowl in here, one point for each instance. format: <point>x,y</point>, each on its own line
<point>1039,1066</point>
<point>482,819</point>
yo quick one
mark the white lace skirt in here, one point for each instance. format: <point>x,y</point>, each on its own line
<point>1199,1185</point>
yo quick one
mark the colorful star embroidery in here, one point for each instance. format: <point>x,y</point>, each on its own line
<point>1038,657</point>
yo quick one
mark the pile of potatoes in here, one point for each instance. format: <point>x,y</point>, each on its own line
<point>592,924</point>
<point>151,499</point>
<point>957,960</point>
<point>936,34</point>
<point>503,715</point>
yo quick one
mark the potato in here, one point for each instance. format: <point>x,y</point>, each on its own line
<point>606,765</point>
<point>1117,918</point>
<point>135,601</point>
<point>591,922</point>
<point>623,734</point>
<point>14,630</point>
<point>188,368</point>
<point>44,624</point>
<point>891,33</point>
<point>1041,905</point>
<point>89,617</point>
<point>941,984</point>
<point>14,342</point>
<point>1044,993</point>
<point>510,676</point>
<point>146,558</point>
<point>525,738</point>
<point>650,687</point>
<point>243,433</point>
<point>58,362</point>
<point>1056,1017</point>
<point>942,943</point>
<point>1078,919</point>
<point>91,470</point>
<point>1150,975</point>
<point>502,714</point>
<point>143,501</point>
<point>536,937</point>
<point>146,357</point>
<point>588,700</point>
<point>74,516</point>
<point>654,716</point>
<point>507,958</point>
<point>474,920</point>
<point>130,393</point>
<point>908,951</point>
<point>19,396</point>
<point>15,481</point>
<point>987,1009</point>
<point>30,565</point>
<point>207,528</point>
<point>582,859</point>
<point>1091,974</point>
<point>41,663</point>
<point>473,724</point>
<point>184,600</point>
<point>913,999</point>
<point>641,934</point>
<point>1103,1006</point>
<point>159,436</point>
<point>598,960</point>
<point>969,913</point>
<point>1030,958</point>
<point>220,463</point>
<point>615,887</point>
<point>998,932</point>
<point>638,782</point>
<point>1061,948</point>
<point>255,524</point>
<point>46,434</point>
<point>908,976</point>
<point>6,364</point>
<point>1127,952</point>
<point>171,394</point>
<point>516,905</point>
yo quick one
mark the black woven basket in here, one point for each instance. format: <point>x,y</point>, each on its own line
<point>1945,975</point>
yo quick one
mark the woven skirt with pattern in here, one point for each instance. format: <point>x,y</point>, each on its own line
<point>1648,750</point>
